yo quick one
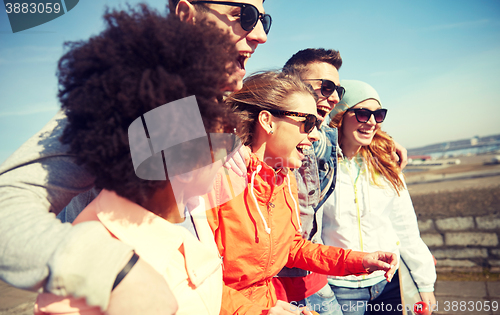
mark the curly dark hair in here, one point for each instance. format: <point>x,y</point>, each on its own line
<point>142,60</point>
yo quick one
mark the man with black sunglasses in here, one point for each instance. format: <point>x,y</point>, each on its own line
<point>43,177</point>
<point>245,21</point>
<point>316,179</point>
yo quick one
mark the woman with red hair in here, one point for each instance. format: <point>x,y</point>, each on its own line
<point>371,208</point>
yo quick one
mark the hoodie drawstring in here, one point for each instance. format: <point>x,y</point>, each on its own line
<point>267,228</point>
<point>367,185</point>
<point>354,181</point>
<point>295,203</point>
<point>337,198</point>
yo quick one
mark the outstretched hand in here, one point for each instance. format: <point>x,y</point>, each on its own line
<point>381,261</point>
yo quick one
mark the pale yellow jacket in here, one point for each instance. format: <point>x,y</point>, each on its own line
<point>191,267</point>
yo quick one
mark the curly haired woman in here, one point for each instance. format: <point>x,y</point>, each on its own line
<point>114,88</point>
<point>41,177</point>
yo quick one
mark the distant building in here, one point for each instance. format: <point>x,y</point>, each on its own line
<point>474,145</point>
<point>422,158</point>
<point>474,141</point>
<point>426,160</point>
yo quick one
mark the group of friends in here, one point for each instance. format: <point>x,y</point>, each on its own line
<point>191,190</point>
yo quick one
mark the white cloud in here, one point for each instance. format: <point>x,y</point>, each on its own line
<point>30,54</point>
<point>30,110</point>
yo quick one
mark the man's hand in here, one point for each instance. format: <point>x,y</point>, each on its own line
<point>430,299</point>
<point>238,162</point>
<point>400,154</point>
<point>142,291</point>
<point>381,261</point>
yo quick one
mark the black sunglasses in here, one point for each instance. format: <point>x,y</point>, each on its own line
<point>309,124</point>
<point>363,114</point>
<point>328,87</point>
<point>249,15</point>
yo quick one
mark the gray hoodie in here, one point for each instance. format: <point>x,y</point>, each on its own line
<point>37,250</point>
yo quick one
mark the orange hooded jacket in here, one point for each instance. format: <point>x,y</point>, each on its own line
<point>258,232</point>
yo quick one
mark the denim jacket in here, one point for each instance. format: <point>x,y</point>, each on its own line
<point>315,181</point>
<point>326,154</point>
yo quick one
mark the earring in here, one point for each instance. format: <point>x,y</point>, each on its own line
<point>271,132</point>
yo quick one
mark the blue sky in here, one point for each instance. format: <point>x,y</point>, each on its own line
<point>435,63</point>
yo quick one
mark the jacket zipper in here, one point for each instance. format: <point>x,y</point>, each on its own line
<point>269,214</point>
<point>359,217</point>
<point>356,200</point>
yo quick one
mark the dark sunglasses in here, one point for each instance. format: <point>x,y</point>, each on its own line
<point>363,114</point>
<point>309,124</point>
<point>328,87</point>
<point>249,15</point>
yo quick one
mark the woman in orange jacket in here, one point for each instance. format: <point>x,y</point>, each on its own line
<point>258,231</point>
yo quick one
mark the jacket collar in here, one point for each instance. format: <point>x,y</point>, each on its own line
<point>154,238</point>
<point>266,180</point>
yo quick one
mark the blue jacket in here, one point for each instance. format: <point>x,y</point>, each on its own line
<point>325,150</point>
<point>315,181</point>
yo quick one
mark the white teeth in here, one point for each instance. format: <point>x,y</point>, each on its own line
<point>302,147</point>
<point>323,111</point>
<point>243,58</point>
<point>365,131</point>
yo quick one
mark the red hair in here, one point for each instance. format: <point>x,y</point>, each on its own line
<point>378,155</point>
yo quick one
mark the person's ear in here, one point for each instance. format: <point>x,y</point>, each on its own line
<point>185,11</point>
<point>266,121</point>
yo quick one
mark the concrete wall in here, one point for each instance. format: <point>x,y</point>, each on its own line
<point>468,243</point>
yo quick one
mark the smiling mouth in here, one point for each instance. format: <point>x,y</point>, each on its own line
<point>301,148</point>
<point>323,111</point>
<point>243,58</point>
<point>366,132</point>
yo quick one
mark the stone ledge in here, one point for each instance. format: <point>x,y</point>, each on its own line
<point>471,239</point>
<point>490,222</point>
<point>425,225</point>
<point>494,262</point>
<point>449,269</point>
<point>455,224</point>
<point>433,240</point>
<point>460,253</point>
<point>455,263</point>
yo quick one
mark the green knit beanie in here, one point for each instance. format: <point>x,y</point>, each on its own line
<point>355,93</point>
